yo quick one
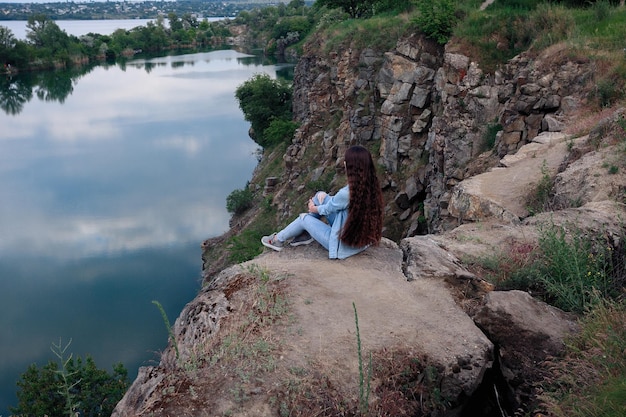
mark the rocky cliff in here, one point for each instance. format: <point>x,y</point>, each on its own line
<point>430,112</point>
<point>293,333</point>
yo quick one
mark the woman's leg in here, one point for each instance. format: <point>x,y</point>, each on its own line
<point>293,229</point>
<point>296,227</point>
<point>318,229</point>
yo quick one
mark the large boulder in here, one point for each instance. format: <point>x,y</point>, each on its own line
<point>417,320</point>
<point>526,332</point>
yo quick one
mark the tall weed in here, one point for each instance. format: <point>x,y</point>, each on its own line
<point>568,268</point>
<point>540,199</point>
<point>591,379</point>
<point>573,272</point>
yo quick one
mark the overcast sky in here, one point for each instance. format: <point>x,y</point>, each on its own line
<point>62,1</point>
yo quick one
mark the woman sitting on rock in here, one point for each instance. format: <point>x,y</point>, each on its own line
<point>354,216</point>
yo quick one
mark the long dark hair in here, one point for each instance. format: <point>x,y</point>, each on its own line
<point>364,225</point>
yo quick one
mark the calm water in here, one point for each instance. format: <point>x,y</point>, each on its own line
<point>109,182</point>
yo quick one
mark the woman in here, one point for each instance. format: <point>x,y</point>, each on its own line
<point>354,216</point>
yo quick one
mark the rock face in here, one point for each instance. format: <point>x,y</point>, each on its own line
<point>278,335</point>
<point>435,114</point>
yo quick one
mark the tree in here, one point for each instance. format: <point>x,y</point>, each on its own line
<point>7,39</point>
<point>43,33</point>
<point>175,23</point>
<point>94,391</point>
<point>263,100</point>
<point>7,42</point>
<point>355,8</point>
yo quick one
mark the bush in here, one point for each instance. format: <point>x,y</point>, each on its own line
<point>437,19</point>
<point>93,392</point>
<point>490,135</point>
<point>300,24</point>
<point>263,100</point>
<point>279,131</point>
<point>239,201</point>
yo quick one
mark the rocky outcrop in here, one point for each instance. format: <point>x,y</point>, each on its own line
<point>406,300</point>
<point>416,303</point>
<point>261,335</point>
<point>321,298</point>
<point>439,120</point>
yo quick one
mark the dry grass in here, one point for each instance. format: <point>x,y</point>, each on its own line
<point>591,378</point>
<point>584,119</point>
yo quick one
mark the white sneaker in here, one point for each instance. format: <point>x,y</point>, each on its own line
<point>272,242</point>
<point>303,238</point>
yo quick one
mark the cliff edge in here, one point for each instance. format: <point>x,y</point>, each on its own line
<point>398,329</point>
<point>405,328</point>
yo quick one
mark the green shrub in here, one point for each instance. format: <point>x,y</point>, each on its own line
<point>437,19</point>
<point>539,199</point>
<point>572,271</point>
<point>323,183</point>
<point>76,387</point>
<point>489,137</point>
<point>245,246</point>
<point>568,268</point>
<point>300,24</point>
<point>601,9</point>
<point>608,92</point>
<point>356,9</point>
<point>279,131</point>
<point>239,201</point>
<point>262,100</point>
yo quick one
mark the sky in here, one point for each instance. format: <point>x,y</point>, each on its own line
<point>63,1</point>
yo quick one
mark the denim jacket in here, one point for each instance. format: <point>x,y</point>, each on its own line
<point>335,209</point>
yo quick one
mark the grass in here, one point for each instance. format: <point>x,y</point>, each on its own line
<point>539,199</point>
<point>591,379</point>
<point>505,29</point>
<point>249,350</point>
<point>365,33</point>
<point>168,327</point>
<point>567,268</point>
<point>489,137</point>
<point>586,275</point>
<point>364,385</point>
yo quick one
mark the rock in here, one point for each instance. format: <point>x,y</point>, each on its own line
<point>418,100</point>
<point>550,124</point>
<point>142,393</point>
<point>511,318</point>
<point>526,332</point>
<point>396,317</point>
<point>502,192</point>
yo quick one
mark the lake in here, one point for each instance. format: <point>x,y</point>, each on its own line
<point>110,179</point>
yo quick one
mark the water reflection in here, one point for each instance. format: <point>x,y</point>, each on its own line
<point>109,181</point>
<point>17,90</point>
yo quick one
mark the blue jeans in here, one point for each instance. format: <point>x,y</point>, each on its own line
<point>310,222</point>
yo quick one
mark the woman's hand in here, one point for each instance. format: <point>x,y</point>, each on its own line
<point>312,206</point>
